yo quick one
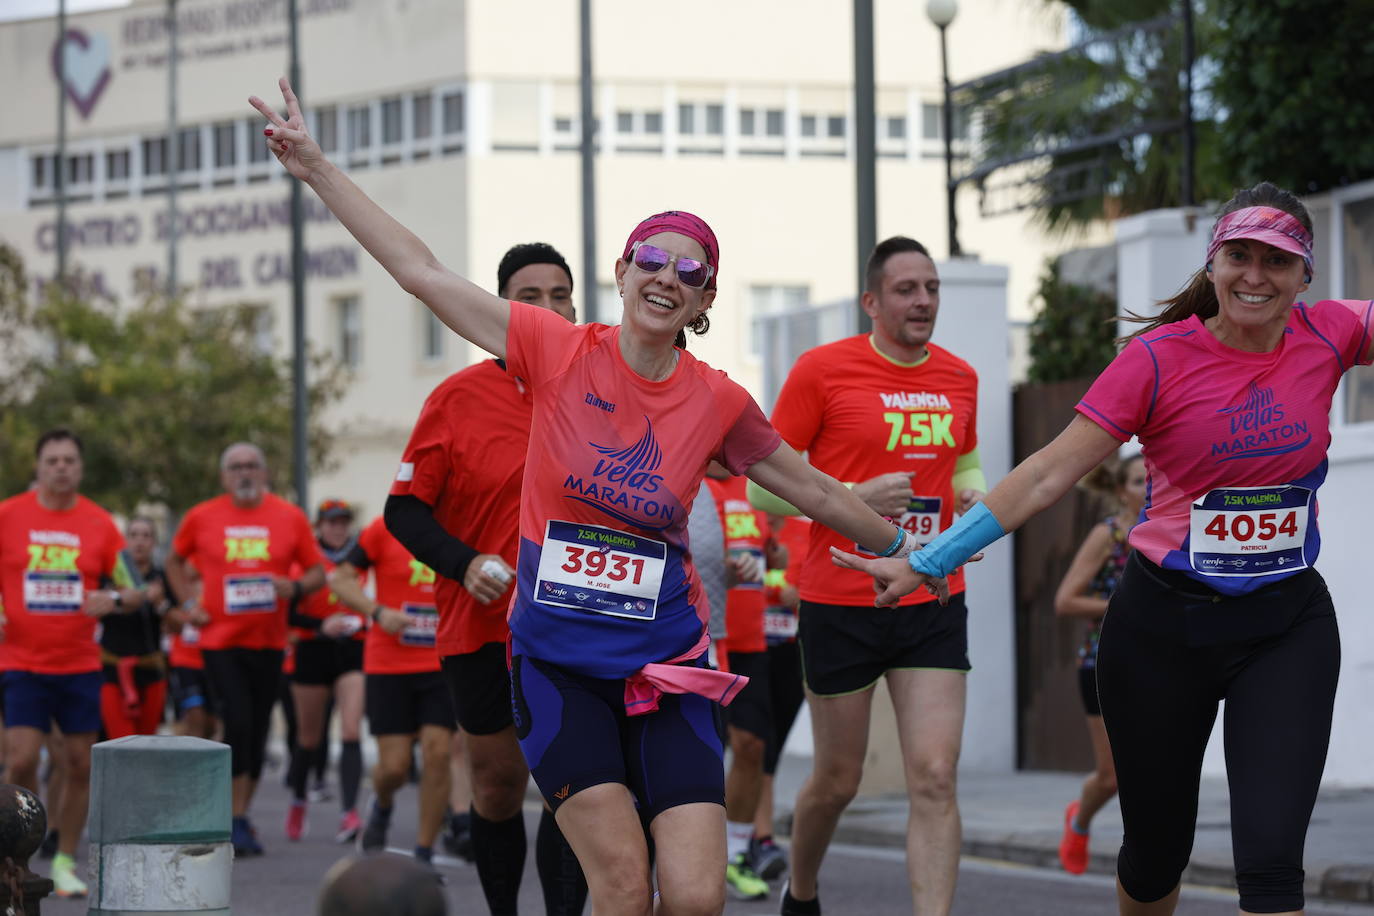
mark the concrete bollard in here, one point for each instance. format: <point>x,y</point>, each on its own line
<point>159,826</point>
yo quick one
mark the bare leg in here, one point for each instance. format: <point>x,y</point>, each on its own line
<point>76,793</point>
<point>603,828</point>
<point>930,722</point>
<point>763,814</point>
<point>393,766</point>
<point>434,777</point>
<point>690,845</point>
<point>840,728</point>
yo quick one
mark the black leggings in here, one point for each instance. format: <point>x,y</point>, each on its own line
<point>1162,668</point>
<point>245,682</point>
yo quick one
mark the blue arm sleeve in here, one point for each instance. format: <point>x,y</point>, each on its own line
<point>975,529</point>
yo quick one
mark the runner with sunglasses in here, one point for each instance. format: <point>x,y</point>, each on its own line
<point>1229,390</point>
<point>608,625</point>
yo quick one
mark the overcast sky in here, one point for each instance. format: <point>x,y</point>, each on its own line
<point>33,9</point>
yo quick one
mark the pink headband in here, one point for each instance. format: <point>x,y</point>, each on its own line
<point>1263,224</point>
<point>683,223</point>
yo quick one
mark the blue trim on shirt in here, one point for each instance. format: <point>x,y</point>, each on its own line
<point>1302,311</point>
<point>1101,416</point>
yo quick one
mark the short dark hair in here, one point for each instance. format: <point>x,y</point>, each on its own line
<point>58,434</point>
<point>877,261</point>
<point>524,255</point>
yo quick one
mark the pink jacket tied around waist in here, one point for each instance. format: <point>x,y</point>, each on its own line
<point>646,687</point>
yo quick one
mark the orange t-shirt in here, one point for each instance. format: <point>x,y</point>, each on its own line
<point>238,551</point>
<point>746,531</point>
<point>466,458</point>
<point>403,584</point>
<point>858,414</point>
<point>48,561</point>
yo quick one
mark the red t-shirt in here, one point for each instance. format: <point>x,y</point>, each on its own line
<point>465,459</point>
<point>48,561</point>
<point>184,651</point>
<point>403,584</point>
<point>323,603</point>
<point>238,551</point>
<point>858,414</point>
<point>746,531</point>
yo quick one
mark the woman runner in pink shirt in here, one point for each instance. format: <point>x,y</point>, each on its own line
<point>612,700</point>
<point>1229,391</point>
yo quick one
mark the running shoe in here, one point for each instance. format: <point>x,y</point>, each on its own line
<point>64,880</point>
<point>320,792</point>
<point>1073,848</point>
<point>295,821</point>
<point>244,838</point>
<point>349,825</point>
<point>457,836</point>
<point>791,906</point>
<point>373,835</point>
<point>49,847</point>
<point>767,858</point>
<point>741,882</point>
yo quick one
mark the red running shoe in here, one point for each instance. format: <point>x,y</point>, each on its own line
<point>349,825</point>
<point>295,821</point>
<point>1073,848</point>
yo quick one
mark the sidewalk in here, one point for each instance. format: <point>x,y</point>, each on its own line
<point>1018,817</point>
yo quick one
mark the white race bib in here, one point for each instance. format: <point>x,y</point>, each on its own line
<point>1249,531</point>
<point>249,594</point>
<point>779,624</point>
<point>921,520</point>
<point>422,625</point>
<point>600,570</point>
<point>53,592</point>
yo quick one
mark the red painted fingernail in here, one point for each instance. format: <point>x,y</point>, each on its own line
<point>267,131</point>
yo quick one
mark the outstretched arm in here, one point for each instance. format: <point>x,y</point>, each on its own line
<point>1032,485</point>
<point>466,308</point>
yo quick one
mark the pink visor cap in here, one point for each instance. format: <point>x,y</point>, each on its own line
<point>683,223</point>
<point>1264,224</point>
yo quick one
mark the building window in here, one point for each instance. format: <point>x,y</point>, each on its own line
<point>930,121</point>
<point>715,120</point>
<point>422,116</point>
<point>44,168</point>
<point>155,156</point>
<point>686,119</point>
<point>391,120</point>
<point>625,122</point>
<point>224,145</point>
<point>348,320</point>
<point>834,126</point>
<point>453,113</point>
<point>432,343</point>
<point>772,300</point>
<point>773,122</point>
<point>563,125</point>
<point>257,144</point>
<point>117,165</point>
<point>746,122</point>
<point>653,122</point>
<point>327,129</point>
<point>81,168</point>
<point>359,127</point>
<point>896,128</point>
<point>188,149</point>
<point>808,125</point>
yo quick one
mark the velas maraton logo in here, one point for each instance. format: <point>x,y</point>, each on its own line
<point>87,59</point>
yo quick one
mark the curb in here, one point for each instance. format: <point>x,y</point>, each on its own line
<point>1335,883</point>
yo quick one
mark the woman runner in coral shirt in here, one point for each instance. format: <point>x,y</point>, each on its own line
<point>611,699</point>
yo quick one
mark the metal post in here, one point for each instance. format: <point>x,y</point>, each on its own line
<point>173,149</point>
<point>1189,139</point>
<point>60,166</point>
<point>299,417</point>
<point>865,145</point>
<point>950,187</point>
<point>588,152</point>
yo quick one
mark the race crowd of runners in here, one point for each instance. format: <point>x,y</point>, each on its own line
<point>600,565</point>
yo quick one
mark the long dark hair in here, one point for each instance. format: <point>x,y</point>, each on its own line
<point>698,326</point>
<point>1199,297</point>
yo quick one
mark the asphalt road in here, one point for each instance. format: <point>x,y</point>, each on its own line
<point>862,881</point>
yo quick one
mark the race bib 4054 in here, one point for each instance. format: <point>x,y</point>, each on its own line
<point>1249,531</point>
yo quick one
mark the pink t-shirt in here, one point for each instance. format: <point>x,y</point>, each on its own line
<point>1234,442</point>
<point>605,578</point>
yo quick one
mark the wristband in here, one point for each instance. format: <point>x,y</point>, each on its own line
<point>376,612</point>
<point>895,545</point>
<point>975,529</point>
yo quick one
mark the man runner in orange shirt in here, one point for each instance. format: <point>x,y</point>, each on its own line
<point>896,415</point>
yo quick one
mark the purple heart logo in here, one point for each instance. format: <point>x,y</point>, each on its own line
<point>88,67</point>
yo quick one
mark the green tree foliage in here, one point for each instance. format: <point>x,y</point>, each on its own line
<point>155,391</point>
<point>1291,82</point>
<point>1073,330</point>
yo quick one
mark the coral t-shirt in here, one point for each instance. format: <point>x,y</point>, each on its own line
<point>403,584</point>
<point>858,414</point>
<point>605,581</point>
<point>48,561</point>
<point>238,551</point>
<point>465,459</point>
<point>322,603</point>
<point>746,532</point>
<point>1234,442</point>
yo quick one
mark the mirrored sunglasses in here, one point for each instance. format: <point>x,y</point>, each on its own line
<point>690,271</point>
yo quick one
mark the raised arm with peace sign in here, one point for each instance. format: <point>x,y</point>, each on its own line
<point>466,308</point>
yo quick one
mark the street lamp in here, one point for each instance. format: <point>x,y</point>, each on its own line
<point>942,13</point>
